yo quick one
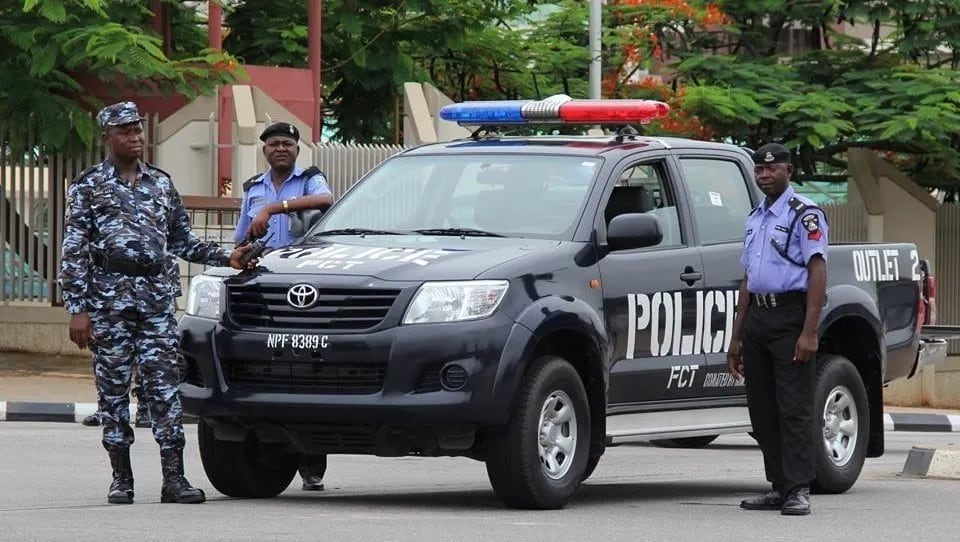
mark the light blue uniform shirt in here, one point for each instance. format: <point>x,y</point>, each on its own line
<point>768,272</point>
<point>263,192</point>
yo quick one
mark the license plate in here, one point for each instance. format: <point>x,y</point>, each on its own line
<point>297,343</point>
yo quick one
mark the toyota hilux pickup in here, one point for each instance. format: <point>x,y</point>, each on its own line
<point>527,301</point>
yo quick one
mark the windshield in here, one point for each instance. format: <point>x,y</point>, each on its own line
<point>535,196</point>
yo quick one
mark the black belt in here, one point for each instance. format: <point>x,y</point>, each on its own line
<point>778,300</point>
<point>127,267</point>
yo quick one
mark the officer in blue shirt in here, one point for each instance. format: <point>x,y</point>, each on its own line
<point>268,200</point>
<point>774,341</point>
<point>271,196</point>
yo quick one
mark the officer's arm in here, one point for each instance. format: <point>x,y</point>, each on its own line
<point>243,223</point>
<point>317,195</point>
<point>813,246</point>
<point>743,305</point>
<point>75,251</point>
<point>184,243</point>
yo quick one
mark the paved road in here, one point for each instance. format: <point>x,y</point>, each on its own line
<point>54,479</point>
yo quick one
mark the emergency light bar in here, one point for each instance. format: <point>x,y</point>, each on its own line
<point>555,109</point>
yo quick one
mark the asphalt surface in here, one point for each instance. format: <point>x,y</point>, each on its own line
<point>54,479</point>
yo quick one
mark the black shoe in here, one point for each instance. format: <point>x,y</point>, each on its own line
<point>768,501</point>
<point>175,487</point>
<point>92,420</point>
<point>121,489</point>
<point>797,502</point>
<point>312,483</point>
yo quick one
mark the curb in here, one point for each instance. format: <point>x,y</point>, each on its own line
<point>26,411</point>
<point>929,423</point>
<point>932,463</point>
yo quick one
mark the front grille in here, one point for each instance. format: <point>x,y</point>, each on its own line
<point>338,309</point>
<point>305,377</point>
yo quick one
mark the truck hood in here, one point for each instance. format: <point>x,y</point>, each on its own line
<point>400,257</point>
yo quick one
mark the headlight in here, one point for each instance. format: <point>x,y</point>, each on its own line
<point>204,297</point>
<point>455,301</point>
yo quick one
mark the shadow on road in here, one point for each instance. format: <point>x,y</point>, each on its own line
<point>592,492</point>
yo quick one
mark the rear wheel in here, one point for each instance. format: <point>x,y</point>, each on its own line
<point>842,419</point>
<point>539,458</point>
<point>685,442</point>
<point>248,469</point>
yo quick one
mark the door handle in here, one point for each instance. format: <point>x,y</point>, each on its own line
<point>690,275</point>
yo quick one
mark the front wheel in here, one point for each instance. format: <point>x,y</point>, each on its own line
<point>539,458</point>
<point>842,416</point>
<point>248,469</point>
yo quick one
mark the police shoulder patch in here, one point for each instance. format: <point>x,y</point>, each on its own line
<point>811,223</point>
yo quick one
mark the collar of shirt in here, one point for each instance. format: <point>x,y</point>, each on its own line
<point>779,206</point>
<point>110,170</point>
<point>267,177</point>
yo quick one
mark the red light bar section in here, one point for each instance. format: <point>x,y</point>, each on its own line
<point>612,111</point>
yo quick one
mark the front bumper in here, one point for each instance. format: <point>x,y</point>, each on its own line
<point>384,378</point>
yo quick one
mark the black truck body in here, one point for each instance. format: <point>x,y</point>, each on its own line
<point>613,283</point>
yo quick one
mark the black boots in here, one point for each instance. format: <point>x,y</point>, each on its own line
<point>121,489</point>
<point>176,488</point>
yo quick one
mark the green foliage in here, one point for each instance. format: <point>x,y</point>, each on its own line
<point>48,44</point>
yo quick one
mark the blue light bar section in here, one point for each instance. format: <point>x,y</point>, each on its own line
<point>485,112</point>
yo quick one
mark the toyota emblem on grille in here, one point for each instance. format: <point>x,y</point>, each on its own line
<point>302,296</point>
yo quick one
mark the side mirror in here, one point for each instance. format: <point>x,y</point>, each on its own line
<point>302,221</point>
<point>634,230</point>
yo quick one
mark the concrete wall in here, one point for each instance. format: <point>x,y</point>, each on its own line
<point>937,387</point>
<point>905,218</point>
<point>185,147</point>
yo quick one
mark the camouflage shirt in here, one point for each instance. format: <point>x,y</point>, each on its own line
<point>143,221</point>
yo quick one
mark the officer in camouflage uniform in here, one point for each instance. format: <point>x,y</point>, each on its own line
<point>124,217</point>
<point>142,418</point>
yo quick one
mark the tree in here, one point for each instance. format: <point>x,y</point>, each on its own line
<point>49,44</point>
<point>371,48</point>
<point>894,92</point>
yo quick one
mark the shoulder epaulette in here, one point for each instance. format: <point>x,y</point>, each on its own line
<point>311,171</point>
<point>755,209</point>
<point>249,182</point>
<point>85,172</point>
<point>797,205</point>
<point>155,168</point>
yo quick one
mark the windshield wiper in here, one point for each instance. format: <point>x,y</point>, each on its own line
<point>356,231</point>
<point>462,232</point>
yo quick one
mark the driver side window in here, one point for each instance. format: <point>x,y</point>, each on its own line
<point>643,188</point>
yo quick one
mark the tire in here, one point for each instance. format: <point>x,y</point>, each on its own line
<point>247,469</point>
<point>685,442</point>
<point>842,425</point>
<point>591,466</point>
<point>517,472</point>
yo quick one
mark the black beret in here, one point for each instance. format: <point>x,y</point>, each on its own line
<point>771,153</point>
<point>281,128</point>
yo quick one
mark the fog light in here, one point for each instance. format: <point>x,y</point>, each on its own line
<point>453,377</point>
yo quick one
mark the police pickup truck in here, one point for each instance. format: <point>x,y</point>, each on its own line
<point>526,301</point>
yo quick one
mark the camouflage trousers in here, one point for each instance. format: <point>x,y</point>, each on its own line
<point>150,342</point>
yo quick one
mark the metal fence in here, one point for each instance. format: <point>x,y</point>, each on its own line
<point>33,185</point>
<point>947,268</point>
<point>848,222</point>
